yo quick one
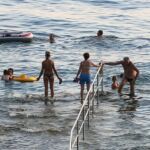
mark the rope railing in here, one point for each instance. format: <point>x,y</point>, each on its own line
<point>86,108</point>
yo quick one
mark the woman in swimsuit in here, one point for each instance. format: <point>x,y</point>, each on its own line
<point>48,69</point>
<point>84,72</point>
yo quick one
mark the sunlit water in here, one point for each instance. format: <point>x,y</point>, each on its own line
<point>25,122</point>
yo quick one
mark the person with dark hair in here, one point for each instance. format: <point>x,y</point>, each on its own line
<point>115,84</point>
<point>84,72</point>
<point>130,74</point>
<point>11,72</point>
<point>51,38</point>
<point>99,33</point>
<point>48,70</point>
<point>5,75</point>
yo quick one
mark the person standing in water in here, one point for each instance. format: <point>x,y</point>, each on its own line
<point>130,74</point>
<point>48,70</point>
<point>84,72</point>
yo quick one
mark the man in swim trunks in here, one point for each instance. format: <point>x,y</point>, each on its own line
<point>84,72</point>
<point>130,74</point>
<point>48,69</point>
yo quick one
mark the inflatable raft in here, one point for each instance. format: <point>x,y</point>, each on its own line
<point>16,36</point>
<point>24,78</point>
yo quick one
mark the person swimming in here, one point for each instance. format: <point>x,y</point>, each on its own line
<point>51,38</point>
<point>115,84</point>
<point>11,72</point>
<point>5,75</point>
<point>99,33</point>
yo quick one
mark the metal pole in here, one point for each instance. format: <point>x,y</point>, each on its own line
<point>83,123</point>
<point>102,82</point>
<point>77,135</point>
<point>93,102</point>
<point>88,112</point>
<point>97,88</point>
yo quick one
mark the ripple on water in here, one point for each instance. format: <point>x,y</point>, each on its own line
<point>25,122</point>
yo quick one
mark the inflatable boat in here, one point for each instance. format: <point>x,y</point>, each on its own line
<point>16,36</point>
<point>24,78</point>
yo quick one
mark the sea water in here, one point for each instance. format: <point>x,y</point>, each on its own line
<point>118,124</point>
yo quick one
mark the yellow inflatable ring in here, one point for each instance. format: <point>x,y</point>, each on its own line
<point>24,78</point>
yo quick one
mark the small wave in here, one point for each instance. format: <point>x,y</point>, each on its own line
<point>8,128</point>
<point>52,130</point>
<point>104,2</point>
<point>38,130</point>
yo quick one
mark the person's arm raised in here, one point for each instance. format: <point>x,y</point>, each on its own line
<point>94,65</point>
<point>112,63</point>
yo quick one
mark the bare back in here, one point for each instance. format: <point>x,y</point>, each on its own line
<point>85,66</point>
<point>47,66</point>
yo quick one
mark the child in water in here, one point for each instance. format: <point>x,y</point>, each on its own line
<point>5,75</point>
<point>115,84</point>
<point>10,71</point>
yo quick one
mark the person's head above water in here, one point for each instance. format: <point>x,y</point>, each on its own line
<point>5,72</point>
<point>47,54</point>
<point>99,33</point>
<point>11,71</point>
<point>51,38</point>
<point>114,78</point>
<point>86,56</point>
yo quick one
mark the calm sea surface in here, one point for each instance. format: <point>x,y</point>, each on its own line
<point>25,122</point>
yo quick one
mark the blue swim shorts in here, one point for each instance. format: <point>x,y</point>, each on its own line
<point>85,78</point>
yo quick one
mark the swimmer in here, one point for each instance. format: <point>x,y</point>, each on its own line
<point>11,71</point>
<point>5,75</point>
<point>51,38</point>
<point>115,84</point>
<point>99,33</point>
